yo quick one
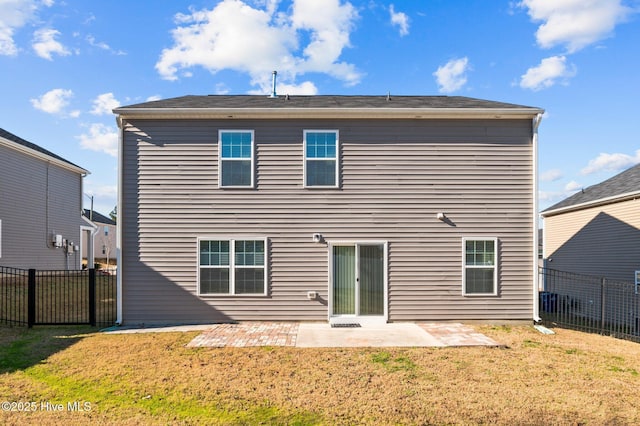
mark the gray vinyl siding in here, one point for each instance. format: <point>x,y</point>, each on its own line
<point>395,176</point>
<point>37,198</point>
<point>601,241</point>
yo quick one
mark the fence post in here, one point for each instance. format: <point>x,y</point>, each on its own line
<point>603,284</point>
<point>92,297</point>
<point>31,298</point>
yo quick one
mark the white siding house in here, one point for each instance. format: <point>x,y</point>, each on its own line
<point>597,230</point>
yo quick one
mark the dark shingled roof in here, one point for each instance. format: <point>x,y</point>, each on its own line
<point>623,183</point>
<point>322,101</point>
<point>31,145</point>
<point>97,217</point>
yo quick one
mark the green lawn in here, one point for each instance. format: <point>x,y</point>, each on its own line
<point>568,378</point>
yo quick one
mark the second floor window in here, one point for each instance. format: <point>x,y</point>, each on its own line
<point>321,158</point>
<point>236,154</point>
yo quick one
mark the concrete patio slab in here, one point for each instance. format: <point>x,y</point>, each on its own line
<point>312,335</point>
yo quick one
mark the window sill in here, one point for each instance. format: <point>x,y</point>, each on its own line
<point>227,296</point>
<point>480,294</point>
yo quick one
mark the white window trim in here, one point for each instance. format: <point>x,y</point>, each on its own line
<point>253,144</point>
<point>304,158</point>
<point>232,266</point>
<point>465,266</point>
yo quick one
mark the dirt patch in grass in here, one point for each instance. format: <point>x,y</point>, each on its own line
<point>567,378</point>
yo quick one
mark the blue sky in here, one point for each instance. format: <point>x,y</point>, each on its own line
<point>64,64</point>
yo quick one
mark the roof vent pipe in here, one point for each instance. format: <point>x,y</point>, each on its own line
<point>273,85</point>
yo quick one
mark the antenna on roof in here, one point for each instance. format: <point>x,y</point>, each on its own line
<point>273,85</point>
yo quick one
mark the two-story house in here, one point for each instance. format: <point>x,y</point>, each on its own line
<point>330,208</point>
<point>596,231</point>
<point>40,207</point>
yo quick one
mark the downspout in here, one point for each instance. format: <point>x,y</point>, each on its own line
<point>536,297</point>
<point>93,246</point>
<point>120,273</point>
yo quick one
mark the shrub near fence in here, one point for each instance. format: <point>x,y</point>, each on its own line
<point>37,297</point>
<point>590,303</point>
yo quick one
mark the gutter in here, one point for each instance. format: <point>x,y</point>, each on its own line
<point>536,297</point>
<point>327,113</point>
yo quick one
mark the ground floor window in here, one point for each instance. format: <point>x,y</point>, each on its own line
<point>232,266</point>
<point>480,272</point>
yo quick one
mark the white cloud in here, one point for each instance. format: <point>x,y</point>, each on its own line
<point>222,89</point>
<point>106,191</point>
<point>100,138</point>
<point>551,175</point>
<point>54,101</point>
<point>304,88</point>
<point>574,23</point>
<point>99,44</point>
<point>104,103</point>
<point>547,73</point>
<point>153,98</point>
<point>256,41</point>
<point>572,186</point>
<point>611,162</point>
<point>329,23</point>
<point>14,14</point>
<point>452,76</point>
<point>104,46</point>
<point>44,43</point>
<point>549,196</point>
<point>105,196</point>
<point>400,19</point>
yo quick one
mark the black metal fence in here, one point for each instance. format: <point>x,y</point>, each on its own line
<point>589,303</point>
<point>37,297</point>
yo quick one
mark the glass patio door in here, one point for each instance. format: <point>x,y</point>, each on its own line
<point>358,280</point>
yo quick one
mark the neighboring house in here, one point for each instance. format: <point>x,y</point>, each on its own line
<point>104,243</point>
<point>597,230</point>
<point>339,208</point>
<point>40,206</point>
